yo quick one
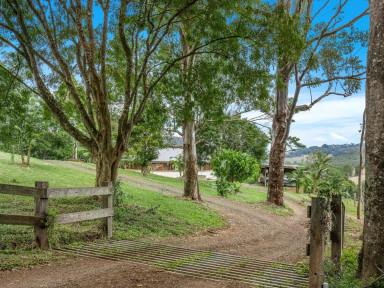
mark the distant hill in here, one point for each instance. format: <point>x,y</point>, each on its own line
<point>345,154</point>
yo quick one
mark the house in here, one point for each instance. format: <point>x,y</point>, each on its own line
<point>163,162</point>
<point>166,156</point>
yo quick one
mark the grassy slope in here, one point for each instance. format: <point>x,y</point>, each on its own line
<point>143,213</point>
<point>250,194</point>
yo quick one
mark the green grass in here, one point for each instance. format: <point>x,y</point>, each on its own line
<point>143,213</point>
<point>250,194</point>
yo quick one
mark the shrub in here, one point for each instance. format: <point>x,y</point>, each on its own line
<point>346,278</point>
<point>232,167</point>
<point>224,187</point>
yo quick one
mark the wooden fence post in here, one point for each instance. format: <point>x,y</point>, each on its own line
<point>108,203</point>
<point>41,210</point>
<point>337,238</point>
<point>317,242</point>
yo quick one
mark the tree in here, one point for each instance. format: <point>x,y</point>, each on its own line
<point>21,118</point>
<point>206,82</point>
<point>231,133</point>
<point>148,136</point>
<point>321,179</point>
<point>373,234</point>
<point>317,170</point>
<point>314,55</point>
<point>65,49</point>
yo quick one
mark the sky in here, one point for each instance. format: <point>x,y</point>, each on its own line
<point>335,120</point>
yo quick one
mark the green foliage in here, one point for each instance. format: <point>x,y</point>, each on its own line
<point>231,167</point>
<point>234,166</point>
<point>224,188</point>
<point>319,177</point>
<point>299,178</point>
<point>148,136</point>
<point>231,133</point>
<point>53,143</point>
<point>178,163</point>
<point>288,34</point>
<point>118,194</point>
<point>347,277</point>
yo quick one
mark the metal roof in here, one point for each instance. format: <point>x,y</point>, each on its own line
<point>168,154</point>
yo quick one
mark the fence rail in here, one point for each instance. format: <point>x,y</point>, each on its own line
<point>17,190</point>
<point>84,216</point>
<point>42,194</point>
<point>73,192</point>
<point>20,219</point>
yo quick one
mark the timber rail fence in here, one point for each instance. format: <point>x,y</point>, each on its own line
<point>42,193</point>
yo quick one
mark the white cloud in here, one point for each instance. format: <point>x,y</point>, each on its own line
<point>335,121</point>
<point>332,121</point>
<point>337,136</point>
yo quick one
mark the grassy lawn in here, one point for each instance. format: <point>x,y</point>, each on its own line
<point>143,214</point>
<point>251,194</point>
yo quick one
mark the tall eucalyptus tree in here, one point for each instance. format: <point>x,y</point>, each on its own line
<point>311,54</point>
<point>224,72</point>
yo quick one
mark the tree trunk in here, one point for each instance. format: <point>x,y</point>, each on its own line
<point>13,154</point>
<point>280,131</point>
<point>29,153</point>
<point>22,158</point>
<point>106,168</point>
<point>191,184</point>
<point>373,237</point>
<point>361,167</point>
<point>145,170</point>
<point>75,150</point>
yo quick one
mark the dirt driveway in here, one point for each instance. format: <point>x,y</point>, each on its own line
<point>252,232</point>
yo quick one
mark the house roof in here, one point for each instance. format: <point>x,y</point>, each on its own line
<point>168,154</point>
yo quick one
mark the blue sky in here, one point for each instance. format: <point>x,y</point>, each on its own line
<point>335,120</point>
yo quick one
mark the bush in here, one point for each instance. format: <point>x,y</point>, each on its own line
<point>346,278</point>
<point>232,167</point>
<point>224,187</point>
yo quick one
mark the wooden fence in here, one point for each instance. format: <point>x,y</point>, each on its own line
<point>42,193</point>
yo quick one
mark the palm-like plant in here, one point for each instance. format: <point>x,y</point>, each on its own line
<point>299,177</point>
<point>318,169</point>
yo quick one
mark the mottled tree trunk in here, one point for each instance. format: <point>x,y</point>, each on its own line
<point>191,184</point>
<point>107,166</point>
<point>280,131</point>
<point>373,239</point>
